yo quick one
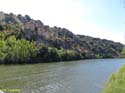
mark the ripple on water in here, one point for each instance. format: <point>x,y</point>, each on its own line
<point>50,88</point>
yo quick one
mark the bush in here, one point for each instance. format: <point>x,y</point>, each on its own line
<point>2,51</point>
<point>98,56</point>
<point>20,50</point>
<point>14,50</point>
<point>123,52</point>
<point>53,54</point>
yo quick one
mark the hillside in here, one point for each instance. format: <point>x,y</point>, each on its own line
<point>60,38</point>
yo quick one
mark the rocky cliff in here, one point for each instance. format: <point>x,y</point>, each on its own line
<point>58,37</point>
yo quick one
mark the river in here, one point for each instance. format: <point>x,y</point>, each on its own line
<point>84,76</point>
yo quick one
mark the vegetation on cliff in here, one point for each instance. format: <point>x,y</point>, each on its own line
<point>50,43</point>
<point>14,50</point>
<point>123,53</point>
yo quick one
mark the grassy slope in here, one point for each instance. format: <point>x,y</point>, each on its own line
<point>116,84</point>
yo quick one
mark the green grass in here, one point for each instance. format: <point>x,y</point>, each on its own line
<point>116,83</point>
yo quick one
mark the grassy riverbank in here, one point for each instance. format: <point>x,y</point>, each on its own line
<point>116,84</point>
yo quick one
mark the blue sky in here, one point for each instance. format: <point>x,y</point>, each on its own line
<point>108,13</point>
<point>97,18</point>
<point>109,16</point>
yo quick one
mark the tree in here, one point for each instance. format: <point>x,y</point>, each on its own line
<point>54,55</point>
<point>98,56</point>
<point>20,51</point>
<point>123,52</point>
<point>1,28</point>
<point>2,51</point>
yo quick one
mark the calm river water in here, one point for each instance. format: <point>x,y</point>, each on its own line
<point>84,76</point>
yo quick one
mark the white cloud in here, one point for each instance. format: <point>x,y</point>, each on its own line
<point>70,14</point>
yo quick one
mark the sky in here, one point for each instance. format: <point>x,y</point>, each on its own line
<point>97,18</point>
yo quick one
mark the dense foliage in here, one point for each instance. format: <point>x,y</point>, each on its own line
<point>49,54</point>
<point>123,52</point>
<point>15,50</point>
<point>116,84</point>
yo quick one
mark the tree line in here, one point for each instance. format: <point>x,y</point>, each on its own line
<point>14,50</point>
